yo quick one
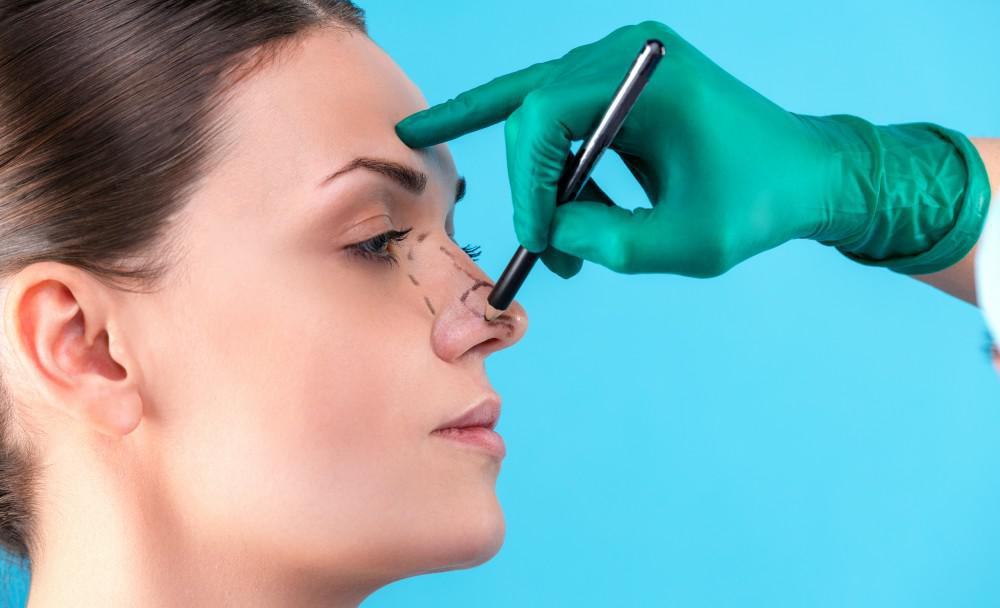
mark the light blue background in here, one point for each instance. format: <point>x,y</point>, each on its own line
<point>801,431</point>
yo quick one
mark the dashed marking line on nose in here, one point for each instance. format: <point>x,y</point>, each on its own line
<point>422,236</point>
<point>502,320</point>
<point>509,325</point>
<point>457,265</point>
<point>429,306</point>
<point>413,279</point>
<point>475,286</point>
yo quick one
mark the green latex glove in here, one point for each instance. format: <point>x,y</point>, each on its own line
<point>729,173</point>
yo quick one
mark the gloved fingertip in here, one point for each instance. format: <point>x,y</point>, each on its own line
<point>530,240</point>
<point>416,130</point>
<point>572,269</point>
<point>406,132</point>
<point>562,264</point>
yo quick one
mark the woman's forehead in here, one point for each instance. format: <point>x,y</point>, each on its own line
<point>326,100</point>
<point>334,89</point>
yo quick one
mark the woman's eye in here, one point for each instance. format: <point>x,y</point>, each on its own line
<point>377,247</point>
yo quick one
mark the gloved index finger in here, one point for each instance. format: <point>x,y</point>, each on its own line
<point>472,110</point>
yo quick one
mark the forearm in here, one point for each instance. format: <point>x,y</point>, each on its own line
<point>959,279</point>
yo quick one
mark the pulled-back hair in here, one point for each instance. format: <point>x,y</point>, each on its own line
<point>109,116</point>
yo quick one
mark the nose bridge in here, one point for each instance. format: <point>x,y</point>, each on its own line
<point>459,325</point>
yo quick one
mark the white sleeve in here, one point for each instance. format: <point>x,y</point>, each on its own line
<point>988,267</point>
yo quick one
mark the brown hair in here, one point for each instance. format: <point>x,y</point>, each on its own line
<point>108,118</point>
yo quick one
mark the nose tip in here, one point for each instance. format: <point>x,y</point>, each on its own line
<point>460,327</point>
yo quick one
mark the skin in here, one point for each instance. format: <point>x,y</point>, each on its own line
<point>959,279</point>
<point>258,432</point>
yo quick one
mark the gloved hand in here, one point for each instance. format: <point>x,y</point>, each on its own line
<point>729,173</point>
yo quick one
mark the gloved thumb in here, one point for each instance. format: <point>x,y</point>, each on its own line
<point>658,239</point>
<point>607,235</point>
<point>564,264</point>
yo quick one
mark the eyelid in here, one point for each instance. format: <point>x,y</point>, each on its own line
<point>368,228</point>
<point>384,239</point>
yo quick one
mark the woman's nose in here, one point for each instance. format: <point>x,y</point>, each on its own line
<point>460,328</point>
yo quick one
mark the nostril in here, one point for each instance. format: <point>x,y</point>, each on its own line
<point>489,346</point>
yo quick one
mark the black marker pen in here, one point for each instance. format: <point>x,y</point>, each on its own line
<point>578,168</point>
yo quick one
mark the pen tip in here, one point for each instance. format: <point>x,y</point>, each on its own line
<point>491,313</point>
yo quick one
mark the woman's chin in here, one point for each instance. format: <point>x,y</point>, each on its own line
<point>466,540</point>
<point>484,541</point>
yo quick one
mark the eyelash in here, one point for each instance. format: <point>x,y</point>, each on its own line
<point>377,248</point>
<point>473,251</point>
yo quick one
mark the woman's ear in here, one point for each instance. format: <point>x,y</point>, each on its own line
<point>61,325</point>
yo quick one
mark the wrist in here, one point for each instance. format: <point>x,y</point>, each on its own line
<point>843,196</point>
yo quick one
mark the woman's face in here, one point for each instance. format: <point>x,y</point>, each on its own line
<point>293,381</point>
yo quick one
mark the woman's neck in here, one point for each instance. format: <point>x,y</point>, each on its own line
<point>110,541</point>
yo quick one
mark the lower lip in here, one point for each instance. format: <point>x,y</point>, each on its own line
<point>478,436</point>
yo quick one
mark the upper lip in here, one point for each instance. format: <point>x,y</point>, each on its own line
<point>486,412</point>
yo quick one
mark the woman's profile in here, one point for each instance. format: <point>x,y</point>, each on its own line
<point>235,318</point>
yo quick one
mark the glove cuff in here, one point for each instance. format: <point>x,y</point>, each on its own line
<point>927,192</point>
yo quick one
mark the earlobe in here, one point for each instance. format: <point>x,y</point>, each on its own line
<point>116,415</point>
<point>61,321</point>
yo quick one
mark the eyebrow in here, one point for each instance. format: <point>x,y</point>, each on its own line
<point>410,179</point>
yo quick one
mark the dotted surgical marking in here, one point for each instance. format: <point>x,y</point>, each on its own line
<point>429,306</point>
<point>413,279</point>
<point>508,324</point>
<point>462,268</point>
<point>475,286</point>
<point>503,320</point>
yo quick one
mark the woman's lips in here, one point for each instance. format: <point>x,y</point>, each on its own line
<point>484,413</point>
<point>476,436</point>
